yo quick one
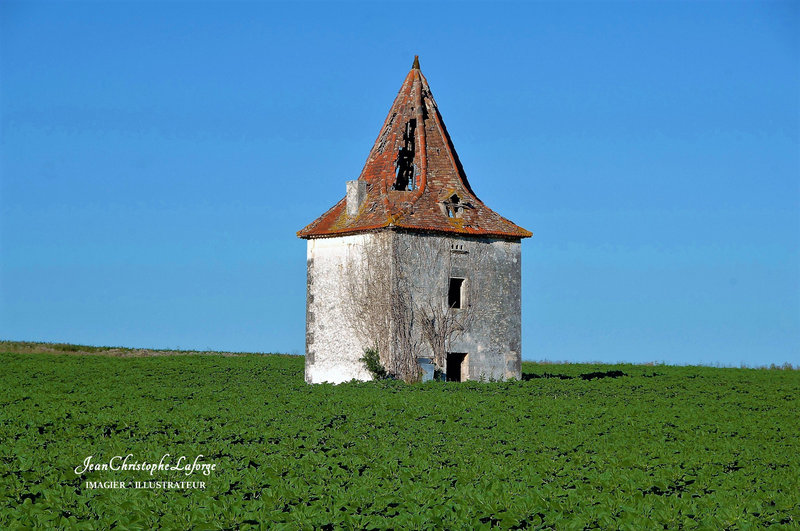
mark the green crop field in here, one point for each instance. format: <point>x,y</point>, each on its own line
<point>569,447</point>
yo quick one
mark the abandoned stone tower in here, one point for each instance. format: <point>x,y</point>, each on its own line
<point>410,261</point>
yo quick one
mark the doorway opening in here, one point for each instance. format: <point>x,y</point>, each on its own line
<point>457,369</point>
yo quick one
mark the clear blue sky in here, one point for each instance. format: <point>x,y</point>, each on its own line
<point>158,158</point>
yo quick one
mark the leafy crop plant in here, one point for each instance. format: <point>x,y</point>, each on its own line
<point>642,447</point>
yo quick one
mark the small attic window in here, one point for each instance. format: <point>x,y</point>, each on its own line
<point>406,169</point>
<point>454,207</point>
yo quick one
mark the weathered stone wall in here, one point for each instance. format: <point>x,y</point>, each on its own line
<point>492,272</point>
<point>492,287</point>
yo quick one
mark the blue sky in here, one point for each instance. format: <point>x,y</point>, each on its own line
<point>158,158</point>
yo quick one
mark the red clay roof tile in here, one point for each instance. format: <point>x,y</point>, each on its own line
<point>420,158</point>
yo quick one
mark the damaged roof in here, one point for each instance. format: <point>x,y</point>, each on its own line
<point>414,179</point>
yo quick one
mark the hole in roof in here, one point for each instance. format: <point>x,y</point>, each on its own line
<point>406,169</point>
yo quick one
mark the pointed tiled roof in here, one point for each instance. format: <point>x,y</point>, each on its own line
<point>414,179</point>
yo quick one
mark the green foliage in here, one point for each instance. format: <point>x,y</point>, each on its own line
<point>372,360</point>
<point>655,447</point>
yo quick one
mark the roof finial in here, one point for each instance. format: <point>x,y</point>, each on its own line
<point>416,63</point>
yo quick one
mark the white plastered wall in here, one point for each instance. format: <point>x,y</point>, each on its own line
<point>332,349</point>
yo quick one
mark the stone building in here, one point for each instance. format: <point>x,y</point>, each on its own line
<point>410,261</point>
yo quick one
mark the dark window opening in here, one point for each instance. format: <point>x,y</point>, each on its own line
<point>405,159</point>
<point>456,367</point>
<point>454,293</point>
<point>454,206</point>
